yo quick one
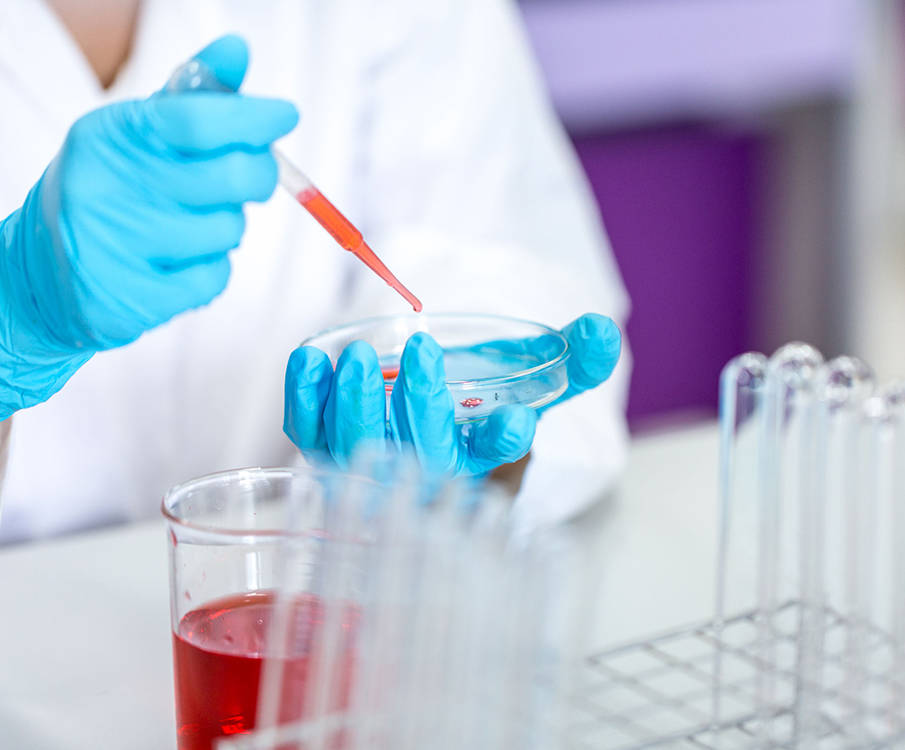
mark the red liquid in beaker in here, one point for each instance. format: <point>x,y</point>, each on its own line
<point>218,654</point>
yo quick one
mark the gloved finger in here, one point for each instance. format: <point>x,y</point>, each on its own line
<point>193,237</point>
<point>539,348</point>
<point>130,294</point>
<point>197,122</point>
<point>227,58</point>
<point>422,415</point>
<point>355,414</point>
<point>505,436</point>
<point>197,284</point>
<point>233,177</point>
<point>129,297</point>
<point>309,375</point>
<point>595,343</point>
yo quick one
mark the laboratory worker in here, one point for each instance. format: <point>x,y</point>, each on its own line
<point>139,348</point>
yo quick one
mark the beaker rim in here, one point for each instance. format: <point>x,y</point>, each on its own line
<point>257,472</point>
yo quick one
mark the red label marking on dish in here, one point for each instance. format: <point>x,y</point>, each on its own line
<point>471,403</point>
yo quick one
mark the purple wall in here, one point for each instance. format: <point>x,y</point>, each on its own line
<point>680,206</point>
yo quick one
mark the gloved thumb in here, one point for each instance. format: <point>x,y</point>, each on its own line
<point>505,436</point>
<point>227,59</point>
<point>596,343</point>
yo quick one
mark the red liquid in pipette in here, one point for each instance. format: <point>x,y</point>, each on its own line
<point>218,654</point>
<point>390,373</point>
<point>345,233</point>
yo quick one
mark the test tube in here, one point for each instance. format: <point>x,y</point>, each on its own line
<point>787,477</point>
<point>895,401</point>
<point>861,566</point>
<point>481,673</point>
<point>445,604</point>
<point>766,467</point>
<point>842,388</point>
<point>391,565</point>
<point>335,644</point>
<point>319,572</point>
<point>742,388</point>
<point>423,650</point>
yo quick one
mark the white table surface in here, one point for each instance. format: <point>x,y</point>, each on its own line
<point>85,656</point>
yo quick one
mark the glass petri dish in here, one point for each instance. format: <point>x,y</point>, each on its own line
<point>490,360</point>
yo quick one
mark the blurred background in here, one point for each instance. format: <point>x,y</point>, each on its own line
<point>747,157</point>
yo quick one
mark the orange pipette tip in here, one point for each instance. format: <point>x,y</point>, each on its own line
<point>349,238</point>
<point>370,259</point>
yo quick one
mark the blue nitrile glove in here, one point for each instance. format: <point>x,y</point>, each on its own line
<point>131,224</point>
<point>337,414</point>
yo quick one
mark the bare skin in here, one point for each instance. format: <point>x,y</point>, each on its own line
<point>510,476</point>
<point>103,30</point>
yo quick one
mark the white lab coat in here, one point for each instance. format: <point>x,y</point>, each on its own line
<point>426,123</point>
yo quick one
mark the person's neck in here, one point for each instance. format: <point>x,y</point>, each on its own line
<point>103,29</point>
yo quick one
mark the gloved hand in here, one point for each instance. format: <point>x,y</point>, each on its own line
<point>336,414</point>
<point>131,224</point>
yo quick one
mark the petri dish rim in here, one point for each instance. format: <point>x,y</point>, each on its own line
<point>473,383</point>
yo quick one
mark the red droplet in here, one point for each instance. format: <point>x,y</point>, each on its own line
<point>471,403</point>
<point>390,373</point>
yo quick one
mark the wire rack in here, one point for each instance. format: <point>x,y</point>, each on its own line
<point>662,692</point>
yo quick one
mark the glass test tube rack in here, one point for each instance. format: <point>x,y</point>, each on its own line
<point>807,646</point>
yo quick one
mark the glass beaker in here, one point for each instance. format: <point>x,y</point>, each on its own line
<point>227,533</point>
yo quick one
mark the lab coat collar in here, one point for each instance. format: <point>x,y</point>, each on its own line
<point>57,77</point>
<point>54,74</point>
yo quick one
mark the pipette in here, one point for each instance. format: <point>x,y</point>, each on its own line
<point>340,228</point>
<point>196,76</point>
